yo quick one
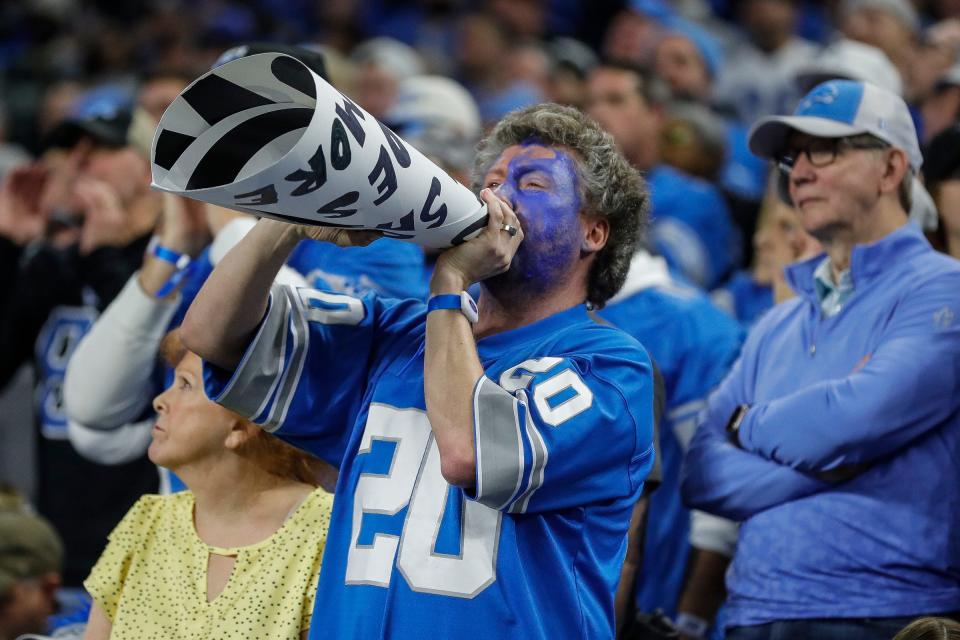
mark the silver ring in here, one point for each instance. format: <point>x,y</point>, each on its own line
<point>509,229</point>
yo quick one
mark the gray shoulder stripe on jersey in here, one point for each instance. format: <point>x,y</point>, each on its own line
<point>298,355</point>
<point>499,444</point>
<point>258,373</point>
<point>540,456</point>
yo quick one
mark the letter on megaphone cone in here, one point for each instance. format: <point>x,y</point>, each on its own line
<point>265,134</point>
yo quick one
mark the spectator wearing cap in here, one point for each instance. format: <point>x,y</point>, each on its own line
<point>830,439</point>
<point>847,59</point>
<point>691,224</point>
<point>633,31</point>
<point>941,170</point>
<point>572,63</point>
<point>688,59</point>
<point>31,557</point>
<point>890,25</point>
<point>757,77</point>
<point>71,233</point>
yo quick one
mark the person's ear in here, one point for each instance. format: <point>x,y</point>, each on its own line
<point>596,233</point>
<point>241,432</point>
<point>895,170</point>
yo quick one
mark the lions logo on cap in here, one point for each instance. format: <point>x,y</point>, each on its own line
<point>826,93</point>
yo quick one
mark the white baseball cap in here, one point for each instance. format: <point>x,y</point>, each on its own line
<point>837,109</point>
<point>841,108</point>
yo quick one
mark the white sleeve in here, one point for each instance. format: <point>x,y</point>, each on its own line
<point>113,446</point>
<point>108,380</point>
<point>712,533</point>
<point>232,233</point>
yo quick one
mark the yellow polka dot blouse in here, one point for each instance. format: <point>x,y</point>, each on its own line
<point>152,578</point>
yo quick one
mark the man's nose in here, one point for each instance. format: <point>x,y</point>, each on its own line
<point>507,192</point>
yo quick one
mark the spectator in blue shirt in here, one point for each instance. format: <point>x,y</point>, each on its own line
<point>779,240</point>
<point>835,437</point>
<point>690,221</point>
<point>693,344</point>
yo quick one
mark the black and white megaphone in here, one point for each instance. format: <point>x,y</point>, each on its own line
<point>266,135</point>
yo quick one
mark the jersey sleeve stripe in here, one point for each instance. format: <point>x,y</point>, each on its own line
<point>253,383</point>
<point>498,433</point>
<point>298,353</point>
<point>540,456</point>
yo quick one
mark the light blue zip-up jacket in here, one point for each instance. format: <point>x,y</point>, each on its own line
<point>875,387</point>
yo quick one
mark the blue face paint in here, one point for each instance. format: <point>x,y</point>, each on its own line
<point>545,194</point>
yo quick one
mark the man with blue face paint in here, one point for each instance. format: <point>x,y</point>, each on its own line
<point>489,456</point>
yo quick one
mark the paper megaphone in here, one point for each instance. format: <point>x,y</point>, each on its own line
<point>265,134</point>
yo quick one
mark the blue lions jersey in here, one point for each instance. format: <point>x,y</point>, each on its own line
<point>387,267</point>
<point>563,431</point>
<point>694,344</point>
<point>744,298</point>
<point>690,226</point>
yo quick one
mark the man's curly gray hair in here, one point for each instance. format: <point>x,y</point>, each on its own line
<point>609,186</point>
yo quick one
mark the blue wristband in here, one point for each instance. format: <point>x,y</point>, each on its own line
<point>180,261</point>
<point>461,302</point>
<point>177,259</point>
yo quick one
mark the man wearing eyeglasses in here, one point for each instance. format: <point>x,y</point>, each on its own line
<point>835,439</point>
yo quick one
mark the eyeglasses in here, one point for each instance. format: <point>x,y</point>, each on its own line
<point>822,152</point>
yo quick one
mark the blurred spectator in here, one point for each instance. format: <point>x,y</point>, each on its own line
<point>941,170</point>
<point>483,56</point>
<point>688,59</point>
<point>778,242</point>
<point>525,19</point>
<point>930,629</point>
<point>237,555</point>
<point>829,439</point>
<point>757,76</point>
<point>890,25</point>
<point>55,107</point>
<point>572,63</point>
<point>713,147</point>
<point>73,227</point>
<point>693,140</point>
<point>936,52</point>
<point>634,31</point>
<point>530,64</point>
<point>850,60</point>
<point>941,108</point>
<point>160,88</point>
<point>381,64</point>
<point>11,155</point>
<point>441,120</point>
<point>690,222</point>
<point>693,344</point>
<point>31,558</point>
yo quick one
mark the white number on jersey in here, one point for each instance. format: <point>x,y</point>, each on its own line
<point>564,382</point>
<point>415,479</point>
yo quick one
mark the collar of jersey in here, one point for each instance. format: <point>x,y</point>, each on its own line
<point>867,261</point>
<point>496,345</point>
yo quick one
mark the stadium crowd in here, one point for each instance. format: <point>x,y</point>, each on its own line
<point>697,376</point>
